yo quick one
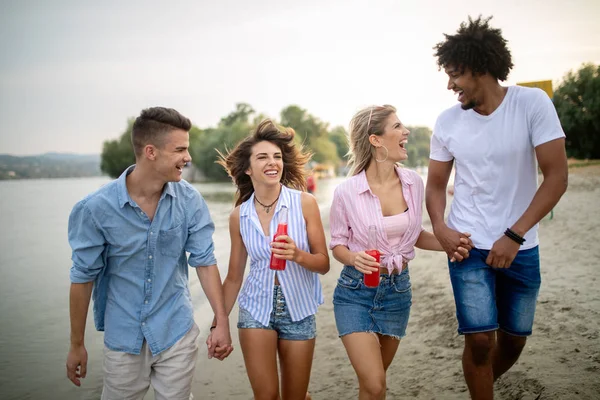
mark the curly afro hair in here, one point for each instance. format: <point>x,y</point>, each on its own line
<point>478,47</point>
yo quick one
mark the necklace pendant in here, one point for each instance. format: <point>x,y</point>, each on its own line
<point>268,209</point>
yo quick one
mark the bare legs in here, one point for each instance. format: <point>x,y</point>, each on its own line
<point>260,348</point>
<point>487,355</point>
<point>370,355</point>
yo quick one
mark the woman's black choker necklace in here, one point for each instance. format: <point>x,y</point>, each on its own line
<point>267,208</point>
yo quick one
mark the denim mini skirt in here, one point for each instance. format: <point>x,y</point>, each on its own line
<point>384,309</point>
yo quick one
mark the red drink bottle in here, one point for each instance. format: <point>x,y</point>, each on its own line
<point>372,279</point>
<point>278,264</point>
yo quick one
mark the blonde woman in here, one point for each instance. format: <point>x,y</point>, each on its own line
<point>379,192</point>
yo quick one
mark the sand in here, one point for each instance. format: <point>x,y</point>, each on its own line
<point>560,361</point>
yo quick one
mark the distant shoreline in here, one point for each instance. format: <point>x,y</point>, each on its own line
<point>49,166</point>
<point>69,166</point>
<point>40,178</point>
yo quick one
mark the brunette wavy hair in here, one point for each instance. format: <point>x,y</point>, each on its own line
<point>237,161</point>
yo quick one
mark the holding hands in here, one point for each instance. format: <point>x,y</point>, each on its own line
<point>219,342</point>
<point>457,245</point>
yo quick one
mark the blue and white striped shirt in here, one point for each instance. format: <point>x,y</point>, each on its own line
<point>301,287</point>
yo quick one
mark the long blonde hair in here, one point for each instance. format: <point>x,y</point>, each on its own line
<point>368,121</point>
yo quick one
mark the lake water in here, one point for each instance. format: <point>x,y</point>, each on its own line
<point>34,283</point>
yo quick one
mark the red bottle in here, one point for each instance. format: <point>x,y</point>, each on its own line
<point>372,279</point>
<point>278,264</point>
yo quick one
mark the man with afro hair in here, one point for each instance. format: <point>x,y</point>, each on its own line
<point>495,138</point>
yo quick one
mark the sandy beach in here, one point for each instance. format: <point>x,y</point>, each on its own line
<point>561,359</point>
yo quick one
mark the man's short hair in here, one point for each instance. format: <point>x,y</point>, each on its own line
<point>152,126</point>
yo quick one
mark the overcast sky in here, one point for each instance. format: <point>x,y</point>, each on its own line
<point>72,72</point>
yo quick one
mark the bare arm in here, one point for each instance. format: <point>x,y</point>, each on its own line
<point>233,281</point>
<point>552,160</point>
<point>238,256</point>
<point>210,279</point>
<point>343,255</point>
<point>435,199</point>
<point>317,260</point>
<point>428,241</point>
<point>79,302</point>
<point>435,194</point>
<point>220,342</point>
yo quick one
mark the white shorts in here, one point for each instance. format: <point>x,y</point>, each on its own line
<point>129,376</point>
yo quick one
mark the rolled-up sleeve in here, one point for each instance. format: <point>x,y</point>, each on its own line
<point>338,222</point>
<point>87,245</point>
<point>200,243</point>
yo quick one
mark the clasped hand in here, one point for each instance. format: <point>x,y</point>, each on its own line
<point>457,245</point>
<point>219,342</point>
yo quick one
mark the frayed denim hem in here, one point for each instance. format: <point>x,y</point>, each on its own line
<point>397,337</point>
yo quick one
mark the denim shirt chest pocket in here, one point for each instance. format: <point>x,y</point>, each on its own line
<point>170,241</point>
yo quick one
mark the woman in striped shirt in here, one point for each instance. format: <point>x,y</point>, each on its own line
<point>277,308</point>
<point>380,193</point>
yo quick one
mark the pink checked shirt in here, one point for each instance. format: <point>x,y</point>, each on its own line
<point>355,207</point>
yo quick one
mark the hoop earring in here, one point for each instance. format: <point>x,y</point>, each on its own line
<point>387,153</point>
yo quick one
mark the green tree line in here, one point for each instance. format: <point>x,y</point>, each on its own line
<point>577,102</point>
<point>328,145</point>
<point>576,98</point>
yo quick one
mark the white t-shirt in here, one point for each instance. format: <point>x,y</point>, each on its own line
<point>495,163</point>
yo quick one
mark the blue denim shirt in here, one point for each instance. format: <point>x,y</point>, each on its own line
<point>139,266</point>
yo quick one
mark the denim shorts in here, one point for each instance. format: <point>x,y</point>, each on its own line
<point>280,321</point>
<point>384,309</point>
<point>496,298</point>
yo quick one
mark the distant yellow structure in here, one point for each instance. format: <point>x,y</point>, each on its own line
<point>323,171</point>
<point>546,86</point>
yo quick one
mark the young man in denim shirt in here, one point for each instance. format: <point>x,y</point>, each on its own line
<point>129,242</point>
